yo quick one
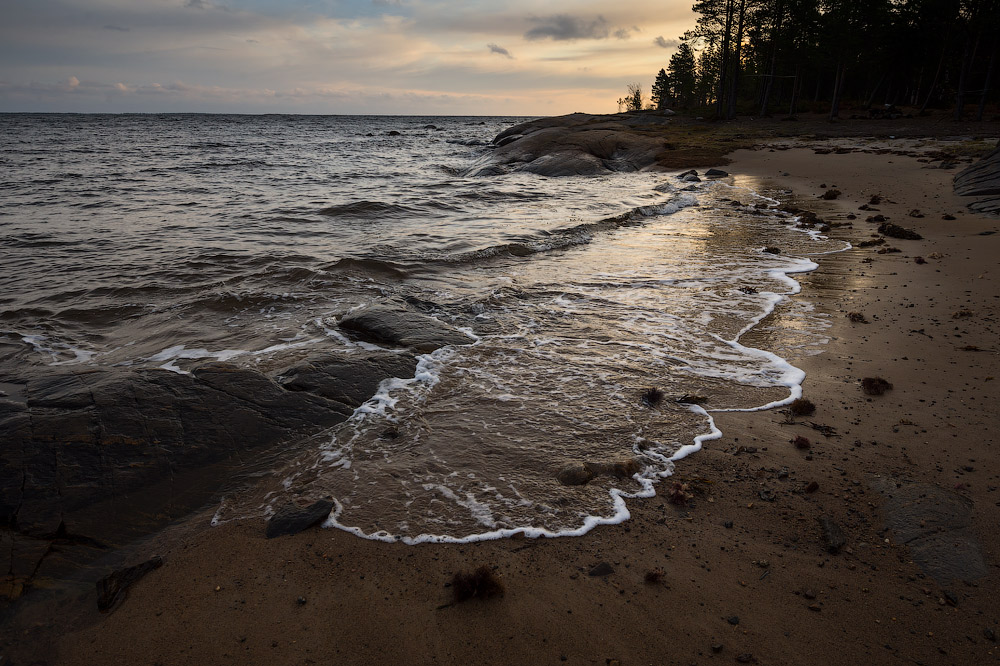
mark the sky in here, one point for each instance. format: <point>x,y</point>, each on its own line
<point>413,57</point>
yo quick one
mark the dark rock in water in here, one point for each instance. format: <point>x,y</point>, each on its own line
<point>393,133</point>
<point>716,173</point>
<point>691,179</point>
<point>896,231</point>
<point>398,325</point>
<point>833,536</point>
<point>292,518</point>
<point>575,474</point>
<point>772,250</point>
<point>935,524</point>
<point>103,455</point>
<point>112,589</point>
<point>689,172</point>
<point>349,381</point>
<point>602,569</point>
<point>83,437</point>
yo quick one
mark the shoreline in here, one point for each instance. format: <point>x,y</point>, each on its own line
<point>747,547</point>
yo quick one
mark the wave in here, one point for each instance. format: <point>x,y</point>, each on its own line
<point>368,210</point>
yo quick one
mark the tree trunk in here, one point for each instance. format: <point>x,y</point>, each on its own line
<point>737,63</point>
<point>796,84</point>
<point>871,98</point>
<point>986,86</point>
<point>838,86</point>
<point>937,77</point>
<point>769,81</point>
<point>724,59</point>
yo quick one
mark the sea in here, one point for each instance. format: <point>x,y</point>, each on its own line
<point>165,241</point>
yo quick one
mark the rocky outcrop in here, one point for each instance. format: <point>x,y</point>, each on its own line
<point>82,449</point>
<point>578,144</point>
<point>398,325</point>
<point>292,518</point>
<point>982,179</point>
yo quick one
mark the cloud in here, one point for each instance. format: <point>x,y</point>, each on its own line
<point>625,33</point>
<point>499,50</point>
<point>665,43</point>
<point>196,4</point>
<point>117,28</point>
<point>563,27</point>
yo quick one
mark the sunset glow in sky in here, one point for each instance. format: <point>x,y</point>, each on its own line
<point>332,56</point>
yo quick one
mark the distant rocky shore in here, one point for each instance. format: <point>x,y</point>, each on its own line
<point>580,144</point>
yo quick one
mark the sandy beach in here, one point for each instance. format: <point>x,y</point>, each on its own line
<point>743,572</point>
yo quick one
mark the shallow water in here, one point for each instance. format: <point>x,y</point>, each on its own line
<point>163,241</point>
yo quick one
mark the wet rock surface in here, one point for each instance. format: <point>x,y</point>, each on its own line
<point>92,457</point>
<point>398,325</point>
<point>292,518</point>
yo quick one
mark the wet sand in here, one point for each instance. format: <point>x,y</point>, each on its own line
<point>746,574</point>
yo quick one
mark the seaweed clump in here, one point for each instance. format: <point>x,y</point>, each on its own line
<point>857,317</point>
<point>678,494</point>
<point>801,407</point>
<point>875,385</point>
<point>831,194</point>
<point>654,576</point>
<point>481,583</point>
<point>651,397</point>
<point>801,442</point>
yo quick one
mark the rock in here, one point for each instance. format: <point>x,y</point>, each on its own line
<point>393,133</point>
<point>830,194</point>
<point>689,172</point>
<point>745,658</point>
<point>112,589</point>
<point>691,178</point>
<point>103,456</point>
<point>896,231</point>
<point>717,647</point>
<point>989,634</point>
<point>733,620</point>
<point>577,144</point>
<point>580,473</point>
<point>349,381</point>
<point>293,518</point>
<point>575,474</point>
<point>395,324</point>
<point>812,487</point>
<point>833,536</point>
<point>602,569</point>
<point>981,178</point>
<point>935,524</point>
<point>716,173</point>
<point>772,250</point>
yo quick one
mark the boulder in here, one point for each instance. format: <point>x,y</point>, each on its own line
<point>293,518</point>
<point>395,324</point>
<point>716,173</point>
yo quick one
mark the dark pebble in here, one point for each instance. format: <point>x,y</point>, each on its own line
<point>745,658</point>
<point>301,601</point>
<point>733,620</point>
<point>602,569</point>
<point>717,648</point>
<point>728,524</point>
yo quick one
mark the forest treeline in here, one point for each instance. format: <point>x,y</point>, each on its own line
<point>765,57</point>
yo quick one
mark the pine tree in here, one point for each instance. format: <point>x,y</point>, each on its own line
<point>661,91</point>
<point>683,75</point>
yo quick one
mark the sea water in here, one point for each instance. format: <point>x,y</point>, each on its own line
<point>164,241</point>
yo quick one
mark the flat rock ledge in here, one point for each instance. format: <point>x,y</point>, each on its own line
<point>982,179</point>
<point>398,325</point>
<point>96,457</point>
<point>578,144</point>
